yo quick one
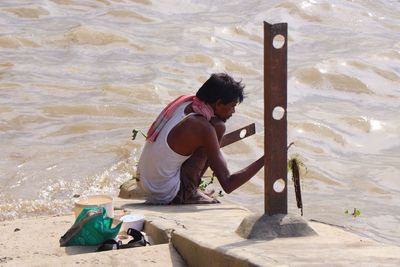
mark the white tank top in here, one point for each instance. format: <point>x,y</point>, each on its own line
<point>159,166</point>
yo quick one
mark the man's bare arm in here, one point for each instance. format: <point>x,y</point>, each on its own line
<point>240,177</point>
<point>218,164</point>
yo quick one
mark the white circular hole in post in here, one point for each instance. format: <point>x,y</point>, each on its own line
<point>279,185</point>
<point>243,133</point>
<point>278,113</point>
<point>278,41</point>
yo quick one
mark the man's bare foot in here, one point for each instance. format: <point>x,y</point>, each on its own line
<point>209,192</point>
<point>201,198</point>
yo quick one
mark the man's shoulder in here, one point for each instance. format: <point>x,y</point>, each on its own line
<point>197,119</point>
<point>198,123</point>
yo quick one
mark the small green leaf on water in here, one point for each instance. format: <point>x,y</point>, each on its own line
<point>135,132</point>
<point>356,212</point>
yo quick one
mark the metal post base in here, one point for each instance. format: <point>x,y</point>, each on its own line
<point>265,227</point>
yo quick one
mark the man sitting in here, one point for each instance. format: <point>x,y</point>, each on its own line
<point>185,140</point>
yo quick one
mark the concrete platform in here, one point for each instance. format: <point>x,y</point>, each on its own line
<point>191,235</point>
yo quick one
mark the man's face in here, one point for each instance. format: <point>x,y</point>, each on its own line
<point>224,111</point>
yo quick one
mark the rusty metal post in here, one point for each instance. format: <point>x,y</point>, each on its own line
<point>275,119</point>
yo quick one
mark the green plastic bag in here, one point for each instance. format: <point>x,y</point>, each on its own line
<point>92,227</point>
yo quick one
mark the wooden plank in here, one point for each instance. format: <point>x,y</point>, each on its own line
<point>238,134</point>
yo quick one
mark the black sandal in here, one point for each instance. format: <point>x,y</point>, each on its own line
<point>138,239</point>
<point>109,244</point>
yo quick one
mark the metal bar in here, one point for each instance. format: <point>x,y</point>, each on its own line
<point>275,137</point>
<point>238,134</point>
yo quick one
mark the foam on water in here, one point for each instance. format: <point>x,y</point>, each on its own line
<point>77,76</point>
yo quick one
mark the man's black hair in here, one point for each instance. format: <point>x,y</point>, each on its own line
<point>221,86</point>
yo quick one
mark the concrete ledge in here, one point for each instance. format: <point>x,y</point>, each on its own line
<point>197,254</point>
<point>331,247</point>
<point>204,235</point>
<point>158,235</point>
<point>197,235</point>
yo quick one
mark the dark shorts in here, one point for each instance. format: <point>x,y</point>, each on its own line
<point>186,191</point>
<point>191,172</point>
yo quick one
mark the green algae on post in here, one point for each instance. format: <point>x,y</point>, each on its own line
<point>294,165</point>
